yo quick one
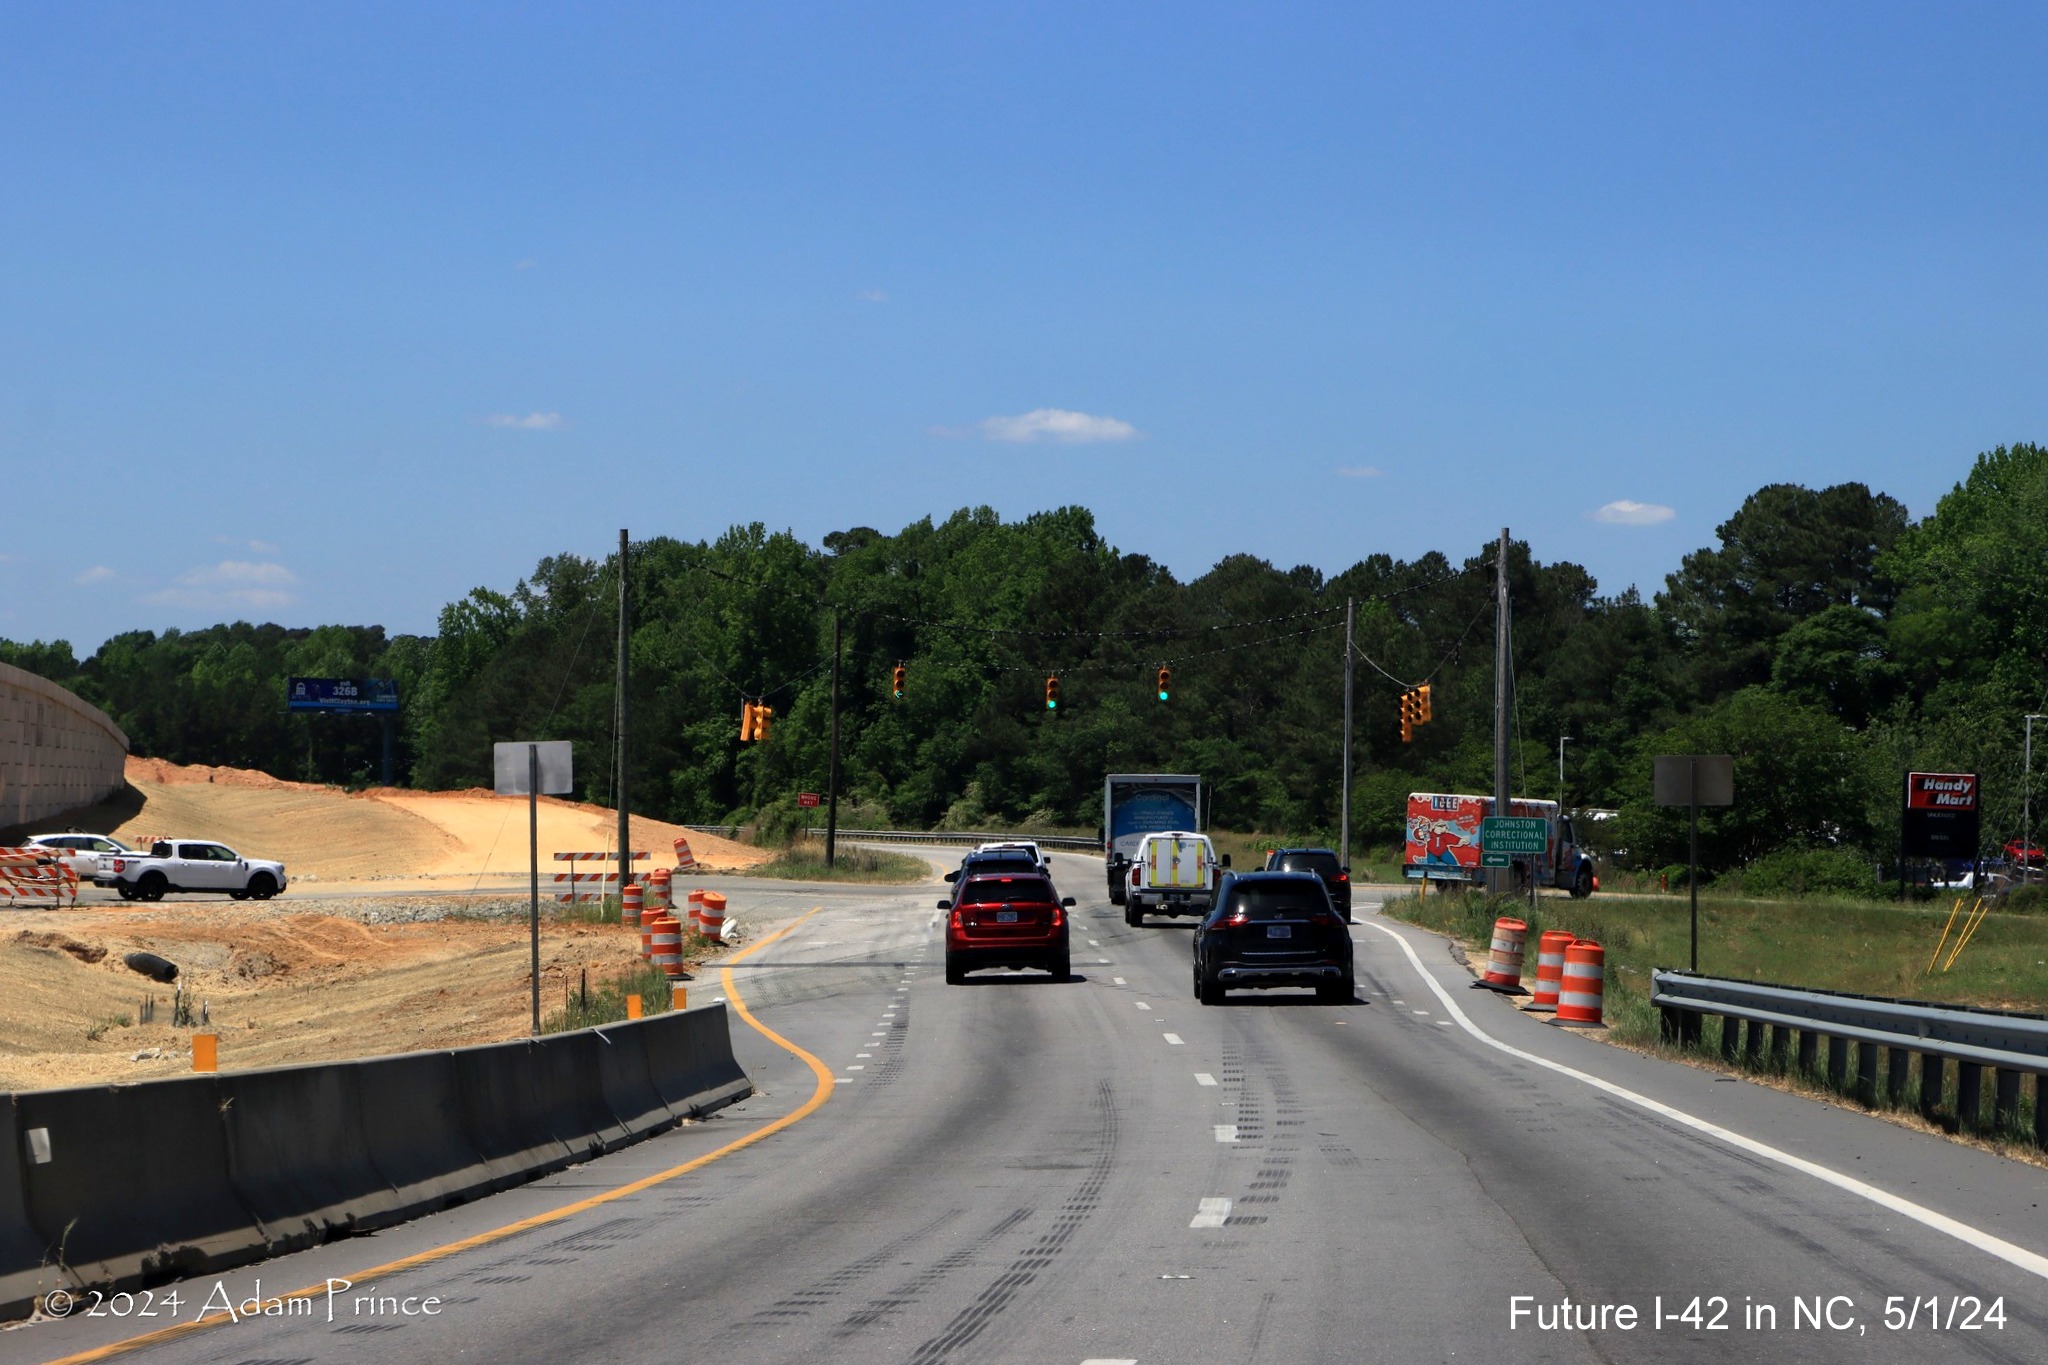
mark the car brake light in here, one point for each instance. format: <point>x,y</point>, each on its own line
<point>1055,917</point>
<point>1322,917</point>
<point>1239,918</point>
<point>1343,876</point>
<point>120,863</point>
<point>956,919</point>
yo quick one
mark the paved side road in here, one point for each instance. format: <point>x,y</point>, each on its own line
<point>1017,1170</point>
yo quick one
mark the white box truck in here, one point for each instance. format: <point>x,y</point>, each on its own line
<point>1137,804</point>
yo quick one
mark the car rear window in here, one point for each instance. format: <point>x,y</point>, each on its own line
<point>996,890</point>
<point>1295,901</point>
<point>1322,864</point>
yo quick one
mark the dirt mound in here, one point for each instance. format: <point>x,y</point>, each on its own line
<point>63,943</point>
<point>385,834</point>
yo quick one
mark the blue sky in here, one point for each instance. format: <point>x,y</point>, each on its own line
<point>331,314</point>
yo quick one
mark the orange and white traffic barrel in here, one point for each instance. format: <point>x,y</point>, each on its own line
<point>1504,959</point>
<point>1581,994</point>
<point>1549,968</point>
<point>684,858</point>
<point>657,890</point>
<point>714,914</point>
<point>697,910</point>
<point>631,901</point>
<point>647,937</point>
<point>667,944</point>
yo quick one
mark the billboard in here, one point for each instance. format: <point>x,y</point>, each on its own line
<point>1941,815</point>
<point>340,694</point>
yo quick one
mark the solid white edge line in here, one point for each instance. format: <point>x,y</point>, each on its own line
<point>2018,1256</point>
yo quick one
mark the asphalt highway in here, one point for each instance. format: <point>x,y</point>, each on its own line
<point>1103,1170</point>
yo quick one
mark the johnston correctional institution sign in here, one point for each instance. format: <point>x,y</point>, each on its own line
<point>1941,815</point>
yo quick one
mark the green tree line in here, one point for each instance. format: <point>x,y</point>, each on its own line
<point>1827,640</point>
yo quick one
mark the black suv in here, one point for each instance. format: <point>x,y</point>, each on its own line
<point>1017,862</point>
<point>1273,929</point>
<point>1322,862</point>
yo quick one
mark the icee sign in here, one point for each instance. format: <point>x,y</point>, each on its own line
<point>1941,815</point>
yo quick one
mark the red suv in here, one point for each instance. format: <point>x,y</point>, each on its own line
<point>1006,919</point>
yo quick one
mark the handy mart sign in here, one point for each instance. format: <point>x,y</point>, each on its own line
<point>1941,791</point>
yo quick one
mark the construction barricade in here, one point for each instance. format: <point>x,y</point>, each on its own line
<point>573,887</point>
<point>1550,948</point>
<point>1581,994</point>
<point>36,879</point>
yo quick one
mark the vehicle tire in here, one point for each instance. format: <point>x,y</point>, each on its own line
<point>1582,885</point>
<point>263,886</point>
<point>1337,992</point>
<point>1208,990</point>
<point>955,974</point>
<point>127,892</point>
<point>1116,892</point>
<point>1061,966</point>
<point>238,895</point>
<point>151,887</point>
<point>1133,916</point>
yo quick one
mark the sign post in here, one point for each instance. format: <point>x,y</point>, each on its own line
<point>528,769</point>
<point>1692,781</point>
<point>1941,819</point>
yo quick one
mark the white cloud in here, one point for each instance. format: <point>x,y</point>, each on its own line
<point>1623,512</point>
<point>256,547</point>
<point>527,264</point>
<point>231,583</point>
<point>533,421</point>
<point>1362,471</point>
<point>873,296</point>
<point>1058,424</point>
<point>98,573</point>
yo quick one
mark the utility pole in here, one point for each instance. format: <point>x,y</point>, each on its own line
<point>1498,878</point>
<point>2027,802</point>
<point>832,767</point>
<point>1562,740</point>
<point>1344,802</point>
<point>619,756</point>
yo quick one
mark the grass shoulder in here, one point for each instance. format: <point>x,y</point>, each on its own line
<point>804,861</point>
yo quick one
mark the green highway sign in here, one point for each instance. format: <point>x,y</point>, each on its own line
<point>1495,860</point>
<point>1513,834</point>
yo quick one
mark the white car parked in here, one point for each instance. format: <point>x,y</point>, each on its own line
<point>80,852</point>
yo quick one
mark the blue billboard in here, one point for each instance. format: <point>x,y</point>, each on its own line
<point>340,694</point>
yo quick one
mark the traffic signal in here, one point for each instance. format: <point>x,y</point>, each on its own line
<point>746,722</point>
<point>896,681</point>
<point>1422,703</point>
<point>762,715</point>
<point>1408,715</point>
<point>1165,683</point>
<point>1052,694</point>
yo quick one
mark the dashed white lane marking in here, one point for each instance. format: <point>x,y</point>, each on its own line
<point>2032,1262</point>
<point>1102,961</point>
<point>1118,980</point>
<point>885,1035</point>
<point>1172,1039</point>
<point>1225,1132</point>
<point>1445,1023</point>
<point>856,1067</point>
<point>1421,1012</point>
<point>1141,1004</point>
<point>864,1054</point>
<point>1210,1213</point>
<point>1094,943</point>
<point>1204,1078</point>
<point>842,1080</point>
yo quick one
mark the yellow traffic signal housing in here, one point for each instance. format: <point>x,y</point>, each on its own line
<point>896,680</point>
<point>1165,683</point>
<point>762,715</point>
<point>1410,709</point>
<point>1052,694</point>
<point>1422,703</point>
<point>746,722</point>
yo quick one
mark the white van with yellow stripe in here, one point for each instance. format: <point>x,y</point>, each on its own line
<point>1174,873</point>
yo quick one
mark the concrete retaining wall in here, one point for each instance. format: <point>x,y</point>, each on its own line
<point>57,753</point>
<point>120,1186</point>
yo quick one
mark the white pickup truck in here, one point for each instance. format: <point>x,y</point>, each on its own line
<point>190,865</point>
<point>1174,872</point>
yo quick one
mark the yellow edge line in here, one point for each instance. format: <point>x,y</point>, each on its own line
<point>809,1107</point>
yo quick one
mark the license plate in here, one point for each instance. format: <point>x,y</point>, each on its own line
<point>1006,917</point>
<point>1279,931</point>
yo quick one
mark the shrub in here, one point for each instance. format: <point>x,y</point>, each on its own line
<point>2025,900</point>
<point>1809,872</point>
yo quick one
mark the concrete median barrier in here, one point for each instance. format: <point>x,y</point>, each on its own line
<point>567,1067</point>
<point>298,1156</point>
<point>413,1128</point>
<point>628,1080</point>
<point>509,1116</point>
<point>25,1274</point>
<point>689,1054</point>
<point>136,1187</point>
<point>119,1186</point>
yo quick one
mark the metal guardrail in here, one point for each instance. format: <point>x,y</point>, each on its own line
<point>1974,1038</point>
<point>912,836</point>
